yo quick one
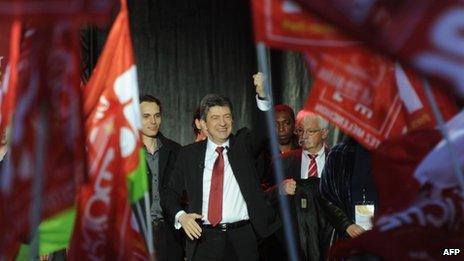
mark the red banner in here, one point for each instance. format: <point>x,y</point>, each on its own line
<point>424,231</point>
<point>46,11</point>
<point>284,24</point>
<point>8,72</point>
<point>106,227</point>
<point>369,97</point>
<point>5,28</point>
<point>424,216</point>
<point>426,34</point>
<point>46,157</point>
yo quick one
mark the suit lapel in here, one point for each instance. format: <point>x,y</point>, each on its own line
<point>297,163</point>
<point>163,161</point>
<point>197,179</point>
<point>294,164</point>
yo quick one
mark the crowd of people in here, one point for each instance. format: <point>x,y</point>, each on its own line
<point>217,199</point>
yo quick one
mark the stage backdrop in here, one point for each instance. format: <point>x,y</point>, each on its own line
<point>186,49</point>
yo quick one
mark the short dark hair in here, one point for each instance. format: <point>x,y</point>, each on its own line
<point>211,100</point>
<point>150,98</point>
<point>196,116</point>
<point>285,108</point>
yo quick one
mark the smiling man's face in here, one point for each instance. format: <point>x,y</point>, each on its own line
<point>218,124</point>
<point>151,118</point>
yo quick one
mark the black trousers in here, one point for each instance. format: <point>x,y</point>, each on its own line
<point>168,242</point>
<point>233,244</point>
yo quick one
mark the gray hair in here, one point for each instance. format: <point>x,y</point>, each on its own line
<point>211,100</point>
<point>304,114</point>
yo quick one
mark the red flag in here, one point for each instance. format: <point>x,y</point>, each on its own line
<point>5,28</point>
<point>284,24</point>
<point>106,227</point>
<point>46,11</point>
<point>8,70</point>
<point>424,231</point>
<point>426,34</point>
<point>46,134</point>
<point>421,206</point>
<point>394,162</point>
<point>369,97</point>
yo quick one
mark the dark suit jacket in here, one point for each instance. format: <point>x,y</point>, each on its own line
<point>167,160</point>
<point>244,148</point>
<point>320,233</point>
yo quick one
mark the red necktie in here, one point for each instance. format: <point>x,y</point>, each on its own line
<point>215,192</point>
<point>312,169</point>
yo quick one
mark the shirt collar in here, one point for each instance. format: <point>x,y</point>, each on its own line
<point>320,153</point>
<point>159,144</point>
<point>211,146</point>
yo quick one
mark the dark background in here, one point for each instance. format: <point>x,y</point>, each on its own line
<point>187,49</point>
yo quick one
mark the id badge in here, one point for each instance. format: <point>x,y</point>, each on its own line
<point>303,203</point>
<point>364,214</point>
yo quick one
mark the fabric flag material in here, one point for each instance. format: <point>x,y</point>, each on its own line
<point>425,215</point>
<point>8,69</point>
<point>426,35</point>
<point>54,234</point>
<point>285,24</point>
<point>423,231</point>
<point>5,30</point>
<point>106,226</point>
<point>46,11</point>
<point>433,163</point>
<point>46,157</point>
<point>369,97</point>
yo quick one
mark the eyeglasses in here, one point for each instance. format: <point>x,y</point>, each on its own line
<point>309,132</point>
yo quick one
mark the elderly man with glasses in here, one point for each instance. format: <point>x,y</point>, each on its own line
<point>314,218</point>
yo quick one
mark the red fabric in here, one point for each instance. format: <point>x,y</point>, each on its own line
<point>369,97</point>
<point>427,35</point>
<point>312,168</point>
<point>46,12</point>
<point>433,223</point>
<point>355,88</point>
<point>394,162</point>
<point>216,190</point>
<point>47,133</point>
<point>284,24</point>
<point>105,227</point>
<point>413,221</point>
<point>9,73</point>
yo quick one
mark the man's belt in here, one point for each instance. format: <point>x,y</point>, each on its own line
<point>228,226</point>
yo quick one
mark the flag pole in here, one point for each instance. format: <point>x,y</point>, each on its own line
<point>149,235</point>
<point>263,66</point>
<point>37,184</point>
<point>444,132</point>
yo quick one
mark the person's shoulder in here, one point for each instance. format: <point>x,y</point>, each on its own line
<point>194,146</point>
<point>342,148</point>
<point>292,154</point>
<point>242,132</point>
<point>170,144</point>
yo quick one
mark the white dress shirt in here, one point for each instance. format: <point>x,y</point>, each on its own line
<point>305,160</point>
<point>234,207</point>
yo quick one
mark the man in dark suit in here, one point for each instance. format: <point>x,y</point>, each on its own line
<point>226,204</point>
<point>313,215</point>
<point>160,154</point>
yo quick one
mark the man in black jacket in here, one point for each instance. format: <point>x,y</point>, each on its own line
<point>160,154</point>
<point>226,204</point>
